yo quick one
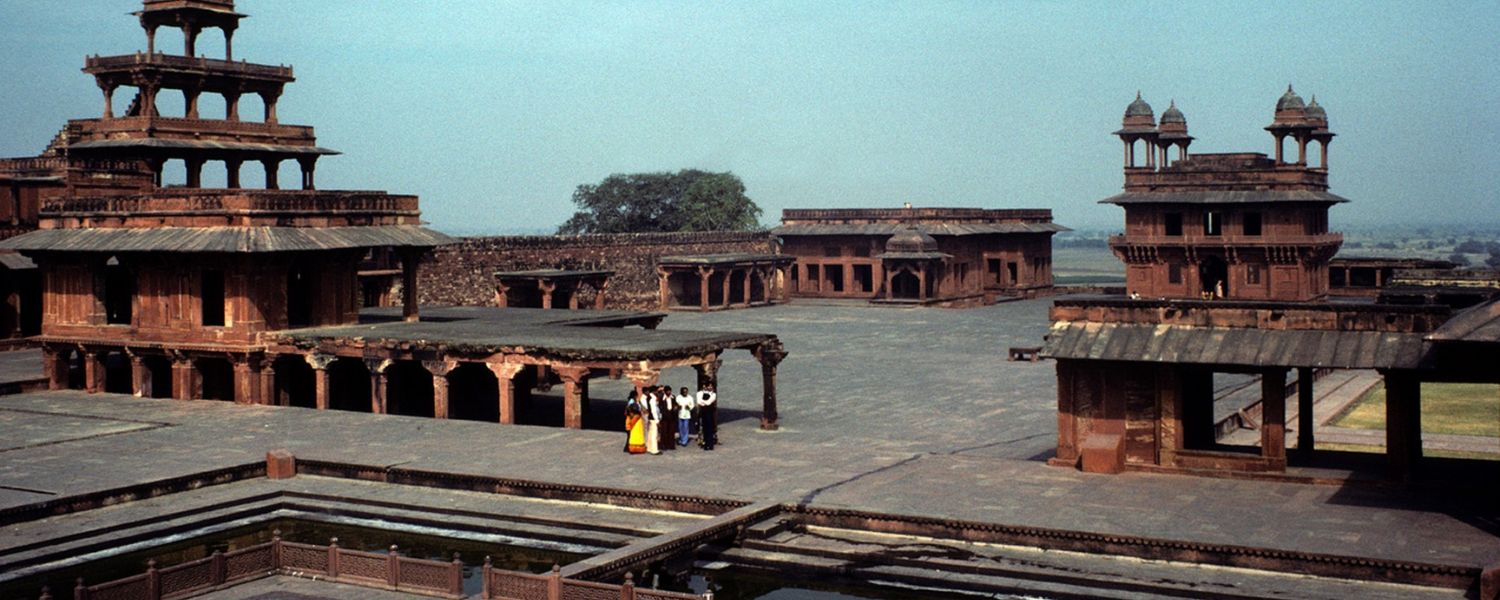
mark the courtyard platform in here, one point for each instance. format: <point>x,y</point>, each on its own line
<point>911,412</point>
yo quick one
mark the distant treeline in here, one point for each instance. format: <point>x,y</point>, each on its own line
<point>1077,242</point>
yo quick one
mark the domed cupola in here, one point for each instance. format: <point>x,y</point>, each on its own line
<point>1315,114</point>
<point>1139,114</point>
<point>1173,121</point>
<point>911,241</point>
<point>1290,110</point>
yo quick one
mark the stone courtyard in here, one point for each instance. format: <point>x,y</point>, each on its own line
<point>906,411</point>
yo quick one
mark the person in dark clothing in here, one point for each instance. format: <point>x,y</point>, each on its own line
<point>668,429</point>
<point>708,415</point>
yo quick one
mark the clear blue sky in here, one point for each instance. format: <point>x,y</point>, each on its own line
<point>493,112</point>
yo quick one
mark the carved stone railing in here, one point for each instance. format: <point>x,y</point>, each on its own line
<point>390,570</point>
<point>1198,239</point>
<point>792,215</point>
<point>235,202</point>
<point>93,63</point>
<point>166,126</point>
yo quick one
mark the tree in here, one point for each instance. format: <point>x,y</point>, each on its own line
<point>688,200</point>
<point>1459,259</point>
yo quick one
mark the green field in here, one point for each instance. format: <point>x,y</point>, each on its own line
<point>1452,408</point>
<point>1086,266</point>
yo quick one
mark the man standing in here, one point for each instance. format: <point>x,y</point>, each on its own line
<point>653,422</point>
<point>708,417</point>
<point>685,404</point>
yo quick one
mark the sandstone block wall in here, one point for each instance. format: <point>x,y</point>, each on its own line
<point>463,273</point>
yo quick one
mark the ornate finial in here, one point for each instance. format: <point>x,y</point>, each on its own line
<point>1137,94</point>
<point>1289,88</point>
<point>1172,103</point>
<point>1314,99</point>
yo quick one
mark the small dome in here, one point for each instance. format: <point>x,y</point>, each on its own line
<point>1139,108</point>
<point>1315,112</point>
<point>911,240</point>
<point>1290,100</point>
<point>1173,115</point>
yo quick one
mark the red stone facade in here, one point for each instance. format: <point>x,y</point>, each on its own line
<point>1233,225</point>
<point>975,255</point>
<point>463,274</point>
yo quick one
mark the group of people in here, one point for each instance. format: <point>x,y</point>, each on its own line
<point>656,419</point>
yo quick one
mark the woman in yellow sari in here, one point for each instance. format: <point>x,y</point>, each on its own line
<point>636,426</point>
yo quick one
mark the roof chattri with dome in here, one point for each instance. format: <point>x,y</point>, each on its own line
<point>911,240</point>
<point>1138,108</point>
<point>1172,114</point>
<point>1315,112</point>
<point>1290,100</point>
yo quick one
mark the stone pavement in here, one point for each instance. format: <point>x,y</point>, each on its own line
<point>909,411</point>
<point>18,366</point>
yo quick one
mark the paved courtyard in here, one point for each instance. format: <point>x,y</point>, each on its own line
<point>912,411</point>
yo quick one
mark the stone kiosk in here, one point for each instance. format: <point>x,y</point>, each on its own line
<point>546,288</point>
<point>717,281</point>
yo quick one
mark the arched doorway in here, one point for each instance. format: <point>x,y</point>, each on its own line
<point>295,384</point>
<point>408,389</point>
<point>1213,273</point>
<point>905,285</point>
<point>349,385</point>
<point>473,393</point>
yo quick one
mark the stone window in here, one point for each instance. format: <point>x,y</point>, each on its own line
<point>1213,223</point>
<point>212,289</point>
<point>1174,274</point>
<point>1174,224</point>
<point>1252,223</point>
<point>1252,274</point>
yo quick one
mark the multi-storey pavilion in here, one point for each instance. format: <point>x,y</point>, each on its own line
<point>254,295</point>
<point>964,256</point>
<point>1235,225</point>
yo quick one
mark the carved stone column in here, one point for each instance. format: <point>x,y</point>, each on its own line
<point>268,392</point>
<point>664,291</point>
<point>378,380</point>
<point>704,274</point>
<point>140,376</point>
<point>708,373</point>
<point>439,370</point>
<point>573,381</point>
<point>770,354</point>
<point>182,378</point>
<point>1273,416</point>
<point>93,372</point>
<point>599,294</point>
<point>502,295</point>
<point>505,378</point>
<point>546,288</point>
<point>246,379</point>
<point>56,369</point>
<point>319,363</point>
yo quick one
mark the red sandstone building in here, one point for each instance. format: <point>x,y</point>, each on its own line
<point>946,256</point>
<point>1227,258</point>
<point>1236,225</point>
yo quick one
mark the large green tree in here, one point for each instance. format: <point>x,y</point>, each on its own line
<point>688,200</point>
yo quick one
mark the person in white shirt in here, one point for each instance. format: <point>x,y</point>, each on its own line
<point>653,421</point>
<point>708,417</point>
<point>685,405</point>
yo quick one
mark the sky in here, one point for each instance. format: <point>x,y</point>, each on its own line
<point>494,112</point>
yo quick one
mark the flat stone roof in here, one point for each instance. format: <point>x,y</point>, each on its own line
<point>599,335</point>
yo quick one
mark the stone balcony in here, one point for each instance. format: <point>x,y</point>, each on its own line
<point>124,128</point>
<point>96,65</point>
<point>1290,316</point>
<point>232,207</point>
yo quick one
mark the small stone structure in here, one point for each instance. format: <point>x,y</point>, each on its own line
<point>717,281</point>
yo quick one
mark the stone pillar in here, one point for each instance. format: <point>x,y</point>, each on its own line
<point>573,378</point>
<point>232,173</point>
<point>599,294</point>
<point>190,99</point>
<point>109,100</point>
<point>505,378</point>
<point>770,355</point>
<point>573,296</point>
<point>190,38</point>
<point>439,370</point>
<point>151,40</point>
<point>704,273</point>
<point>319,363</point>
<point>663,291</point>
<point>194,172</point>
<point>271,164</point>
<point>309,167</point>
<point>246,379</point>
<point>708,372</point>
<point>1280,139</point>
<point>93,372</point>
<point>409,262</point>
<point>546,288</point>
<point>182,378</point>
<point>56,369</point>
<point>1305,418</point>
<point>378,381</point>
<point>728,285</point>
<point>1403,424</point>
<point>140,376</point>
<point>232,108</point>
<point>268,395</point>
<point>1067,429</point>
<point>1273,416</point>
<point>229,43</point>
<point>269,99</point>
<point>502,295</point>
<point>748,274</point>
<point>922,282</point>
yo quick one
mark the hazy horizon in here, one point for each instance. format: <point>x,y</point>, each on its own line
<point>494,112</point>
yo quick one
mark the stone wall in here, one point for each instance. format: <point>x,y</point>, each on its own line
<point>463,273</point>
